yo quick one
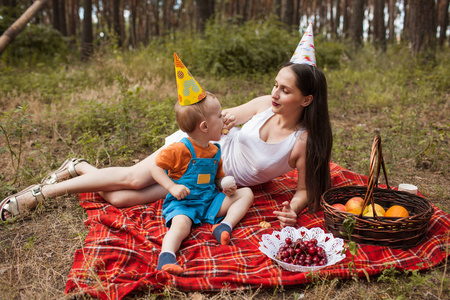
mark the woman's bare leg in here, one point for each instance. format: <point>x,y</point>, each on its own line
<point>120,186</point>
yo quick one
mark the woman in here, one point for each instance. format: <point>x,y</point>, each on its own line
<point>288,129</point>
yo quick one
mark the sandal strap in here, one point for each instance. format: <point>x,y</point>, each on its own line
<point>71,166</point>
<point>37,193</point>
<point>10,205</point>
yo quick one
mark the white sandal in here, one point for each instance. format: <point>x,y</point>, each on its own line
<point>68,165</point>
<point>10,204</point>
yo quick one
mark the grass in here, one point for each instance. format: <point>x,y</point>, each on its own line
<point>118,108</point>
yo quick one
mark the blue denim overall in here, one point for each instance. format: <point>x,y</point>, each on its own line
<point>205,200</point>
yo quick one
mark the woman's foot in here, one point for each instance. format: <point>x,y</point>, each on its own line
<point>65,171</point>
<point>26,199</point>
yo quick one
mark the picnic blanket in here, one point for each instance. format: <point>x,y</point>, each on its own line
<point>122,247</point>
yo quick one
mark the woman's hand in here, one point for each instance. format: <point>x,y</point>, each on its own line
<point>229,120</point>
<point>179,191</point>
<point>287,215</point>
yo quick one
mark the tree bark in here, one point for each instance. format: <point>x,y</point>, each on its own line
<point>10,34</point>
<point>392,15</point>
<point>422,28</point>
<point>286,12</point>
<point>132,22</point>
<point>55,13</point>
<point>116,22</point>
<point>62,17</point>
<point>346,7</point>
<point>443,21</point>
<point>356,24</point>
<point>379,29</point>
<point>205,10</point>
<point>87,35</point>
<point>72,17</point>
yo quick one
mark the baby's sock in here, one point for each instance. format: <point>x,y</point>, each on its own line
<point>168,262</point>
<point>222,232</point>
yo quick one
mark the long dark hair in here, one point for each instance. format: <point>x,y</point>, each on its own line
<point>316,120</point>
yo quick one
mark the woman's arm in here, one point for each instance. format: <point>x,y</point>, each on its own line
<point>240,114</point>
<point>288,215</point>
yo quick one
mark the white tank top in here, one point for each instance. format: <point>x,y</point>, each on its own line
<point>249,159</point>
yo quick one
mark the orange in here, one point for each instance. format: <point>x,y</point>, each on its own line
<point>397,211</point>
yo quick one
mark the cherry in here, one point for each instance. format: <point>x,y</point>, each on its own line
<point>312,250</point>
<point>302,253</point>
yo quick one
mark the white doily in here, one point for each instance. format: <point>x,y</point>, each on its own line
<point>333,247</point>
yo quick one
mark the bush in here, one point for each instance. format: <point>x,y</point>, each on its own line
<point>36,44</point>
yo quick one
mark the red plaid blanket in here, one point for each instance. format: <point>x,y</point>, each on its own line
<point>122,248</point>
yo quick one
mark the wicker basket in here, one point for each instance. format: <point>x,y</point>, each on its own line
<point>383,231</point>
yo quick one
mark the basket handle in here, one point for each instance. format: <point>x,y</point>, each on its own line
<point>376,162</point>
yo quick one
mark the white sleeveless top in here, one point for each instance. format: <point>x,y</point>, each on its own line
<point>249,159</point>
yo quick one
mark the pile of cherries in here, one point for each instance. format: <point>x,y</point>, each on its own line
<point>302,253</point>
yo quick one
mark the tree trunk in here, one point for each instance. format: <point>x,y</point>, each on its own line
<point>87,35</point>
<point>62,17</point>
<point>72,17</point>
<point>422,28</point>
<point>337,22</point>
<point>55,23</point>
<point>443,21</point>
<point>405,32</point>
<point>132,22</point>
<point>379,29</point>
<point>356,23</point>
<point>116,22</point>
<point>155,10</point>
<point>205,10</point>
<point>346,7</point>
<point>286,12</point>
<point>10,34</point>
<point>392,14</point>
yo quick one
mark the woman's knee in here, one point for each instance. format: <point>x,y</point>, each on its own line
<point>116,198</point>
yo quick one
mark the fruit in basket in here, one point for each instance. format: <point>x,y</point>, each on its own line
<point>339,206</point>
<point>354,205</point>
<point>397,211</point>
<point>302,253</point>
<point>371,214</point>
<point>378,209</point>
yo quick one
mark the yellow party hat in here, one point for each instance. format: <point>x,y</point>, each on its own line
<point>189,91</point>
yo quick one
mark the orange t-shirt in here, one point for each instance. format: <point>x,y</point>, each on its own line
<point>175,158</point>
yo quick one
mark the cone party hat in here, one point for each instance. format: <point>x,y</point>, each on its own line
<point>305,52</point>
<point>189,91</point>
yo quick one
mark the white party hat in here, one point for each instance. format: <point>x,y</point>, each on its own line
<point>305,52</point>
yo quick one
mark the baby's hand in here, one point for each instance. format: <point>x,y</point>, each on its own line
<point>179,191</point>
<point>229,191</point>
<point>229,120</point>
<point>228,185</point>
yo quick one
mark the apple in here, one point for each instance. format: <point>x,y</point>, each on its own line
<point>354,203</point>
<point>339,206</point>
